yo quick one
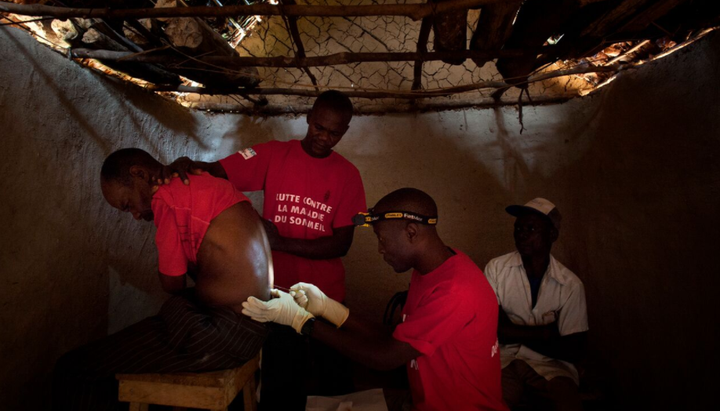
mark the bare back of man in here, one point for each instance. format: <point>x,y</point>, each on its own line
<point>234,259</point>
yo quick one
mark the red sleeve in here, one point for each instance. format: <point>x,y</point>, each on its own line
<point>247,168</point>
<point>171,259</point>
<point>435,321</point>
<point>352,201</point>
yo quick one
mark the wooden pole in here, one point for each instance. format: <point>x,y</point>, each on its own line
<point>230,62</point>
<point>295,34</point>
<point>425,28</point>
<point>413,11</point>
<point>432,105</point>
<point>581,69</point>
<point>649,15</point>
<point>606,24</point>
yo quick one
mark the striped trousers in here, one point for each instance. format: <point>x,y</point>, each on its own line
<point>184,336</point>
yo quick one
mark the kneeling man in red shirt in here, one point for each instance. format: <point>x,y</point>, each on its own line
<point>448,337</point>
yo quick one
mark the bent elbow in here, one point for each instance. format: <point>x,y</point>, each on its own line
<point>344,248</point>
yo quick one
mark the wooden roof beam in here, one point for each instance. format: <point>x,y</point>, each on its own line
<point>648,16</point>
<point>295,34</point>
<point>423,37</point>
<point>410,95</point>
<point>413,11</point>
<point>610,21</point>
<point>624,17</point>
<point>232,62</point>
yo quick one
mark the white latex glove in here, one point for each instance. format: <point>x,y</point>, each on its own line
<point>281,309</point>
<point>317,303</point>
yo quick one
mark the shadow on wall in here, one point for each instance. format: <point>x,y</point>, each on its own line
<point>72,263</point>
<point>66,97</point>
<point>175,128</point>
<point>53,273</point>
<point>645,198</point>
<point>248,131</point>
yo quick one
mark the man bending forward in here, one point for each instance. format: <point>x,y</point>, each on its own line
<point>207,230</point>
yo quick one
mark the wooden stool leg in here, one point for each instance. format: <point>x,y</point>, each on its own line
<point>249,398</point>
<point>136,406</point>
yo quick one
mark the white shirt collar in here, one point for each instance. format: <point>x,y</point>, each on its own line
<point>555,271</point>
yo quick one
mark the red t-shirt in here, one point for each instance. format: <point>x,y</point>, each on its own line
<point>306,198</point>
<point>182,215</point>
<point>451,317</point>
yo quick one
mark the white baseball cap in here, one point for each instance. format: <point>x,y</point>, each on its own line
<point>537,205</point>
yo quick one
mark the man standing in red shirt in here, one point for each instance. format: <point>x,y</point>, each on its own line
<point>311,194</point>
<point>207,230</point>
<point>448,337</point>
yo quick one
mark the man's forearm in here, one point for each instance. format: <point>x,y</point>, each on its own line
<point>377,353</point>
<point>511,333</point>
<point>366,329</point>
<point>526,335</point>
<point>537,337</point>
<point>544,339</point>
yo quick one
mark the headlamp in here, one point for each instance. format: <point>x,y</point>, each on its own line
<point>365,219</point>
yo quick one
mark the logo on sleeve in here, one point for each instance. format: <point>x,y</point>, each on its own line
<point>247,153</point>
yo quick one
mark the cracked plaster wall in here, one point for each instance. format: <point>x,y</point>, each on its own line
<point>634,170</point>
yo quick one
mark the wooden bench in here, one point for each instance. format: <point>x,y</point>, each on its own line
<point>210,390</point>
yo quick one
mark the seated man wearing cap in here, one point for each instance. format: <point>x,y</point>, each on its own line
<point>541,332</point>
<point>448,335</point>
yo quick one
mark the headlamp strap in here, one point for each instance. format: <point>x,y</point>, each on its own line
<point>365,219</point>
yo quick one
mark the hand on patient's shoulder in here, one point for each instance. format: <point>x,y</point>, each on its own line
<point>180,168</point>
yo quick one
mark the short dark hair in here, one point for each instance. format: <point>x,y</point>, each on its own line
<point>408,199</point>
<point>117,165</point>
<point>335,100</point>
